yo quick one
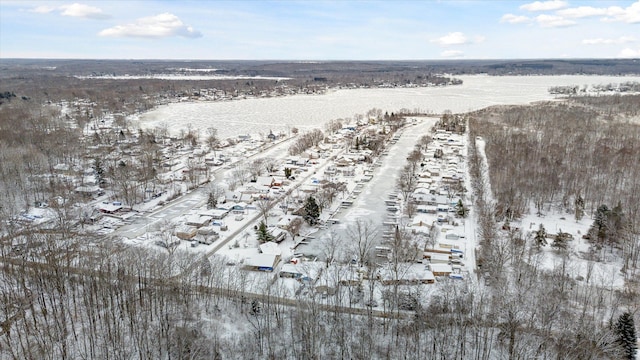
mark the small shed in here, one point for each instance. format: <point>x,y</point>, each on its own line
<point>110,208</point>
<point>186,232</point>
<point>452,236</point>
<point>441,269</point>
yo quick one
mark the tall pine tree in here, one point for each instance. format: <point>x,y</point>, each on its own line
<point>579,207</point>
<point>541,237</point>
<point>311,211</point>
<point>264,235</point>
<point>601,222</point>
<point>625,330</point>
<point>212,202</point>
<point>461,210</point>
<point>560,240</point>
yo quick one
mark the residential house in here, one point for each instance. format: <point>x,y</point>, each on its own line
<point>441,269</point>
<point>262,262</point>
<point>199,220</point>
<point>186,232</point>
<point>411,275</point>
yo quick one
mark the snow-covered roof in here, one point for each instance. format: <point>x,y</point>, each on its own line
<point>413,274</point>
<point>262,261</point>
<point>198,220</point>
<point>109,208</point>
<point>441,268</point>
<point>270,248</point>
<point>309,270</point>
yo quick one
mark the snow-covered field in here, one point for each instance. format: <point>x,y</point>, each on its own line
<point>604,273</point>
<point>252,116</point>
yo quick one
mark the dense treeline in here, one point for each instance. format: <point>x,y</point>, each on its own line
<point>552,153</point>
<point>573,157</point>
<point>133,303</point>
<point>540,312</point>
<point>323,70</point>
<point>580,158</point>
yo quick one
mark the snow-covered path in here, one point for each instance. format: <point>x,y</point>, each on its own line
<point>371,203</point>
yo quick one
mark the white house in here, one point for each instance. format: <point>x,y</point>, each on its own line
<point>262,262</point>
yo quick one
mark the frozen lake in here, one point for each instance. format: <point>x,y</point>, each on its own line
<point>253,116</point>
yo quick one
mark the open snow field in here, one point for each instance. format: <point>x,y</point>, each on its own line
<point>253,116</point>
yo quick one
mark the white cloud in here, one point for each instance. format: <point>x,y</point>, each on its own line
<point>42,9</point>
<point>553,21</point>
<point>454,38</point>
<point>515,19</point>
<point>83,11</point>
<point>544,5</point>
<point>451,54</point>
<point>601,41</point>
<point>630,14</point>
<point>629,53</point>
<point>582,12</point>
<point>158,26</point>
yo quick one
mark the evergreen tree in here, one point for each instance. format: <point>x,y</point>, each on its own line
<point>601,222</point>
<point>461,210</point>
<point>625,330</point>
<point>560,240</point>
<point>541,236</point>
<point>579,207</point>
<point>212,202</point>
<point>263,233</point>
<point>256,307</point>
<point>98,168</point>
<point>311,211</point>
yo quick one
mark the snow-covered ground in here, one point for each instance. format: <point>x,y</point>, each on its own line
<point>604,273</point>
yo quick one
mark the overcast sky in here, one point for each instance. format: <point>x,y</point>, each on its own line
<point>319,30</point>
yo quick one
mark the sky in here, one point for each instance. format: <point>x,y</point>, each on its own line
<point>319,30</point>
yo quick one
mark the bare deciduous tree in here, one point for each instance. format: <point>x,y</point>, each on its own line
<point>362,235</point>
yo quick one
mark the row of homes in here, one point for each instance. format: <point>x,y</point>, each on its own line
<point>441,177</point>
